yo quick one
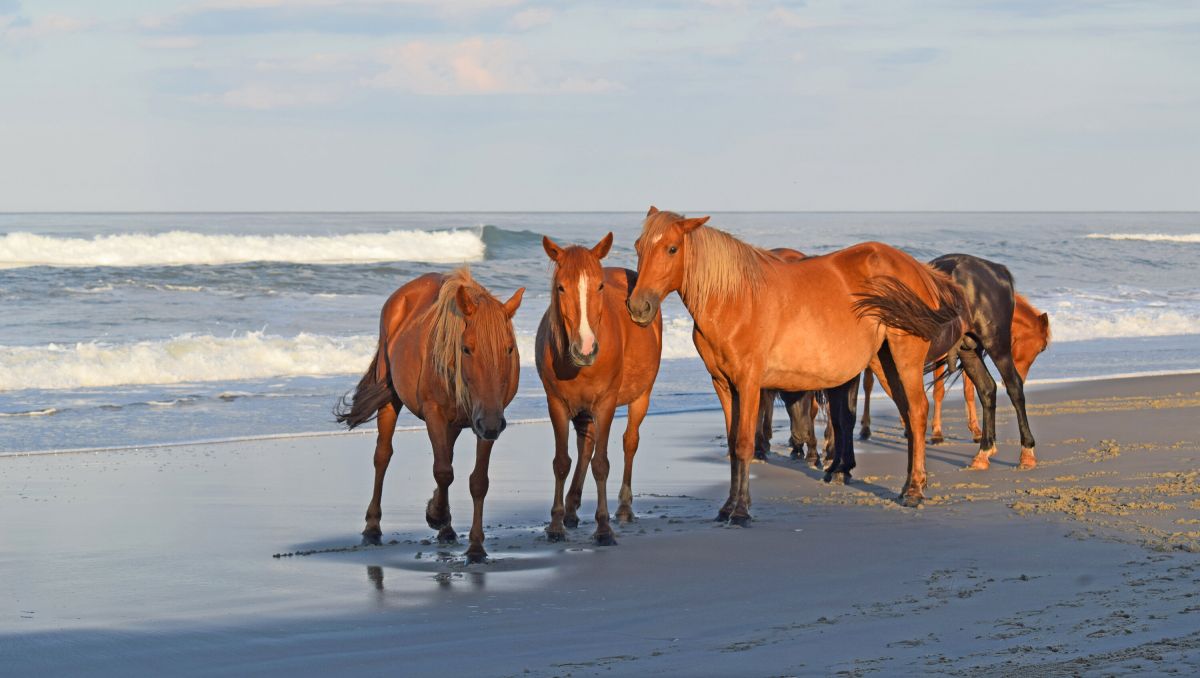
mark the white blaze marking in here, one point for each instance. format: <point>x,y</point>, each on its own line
<point>587,340</point>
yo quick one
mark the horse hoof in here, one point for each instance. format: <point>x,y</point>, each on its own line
<point>828,476</point>
<point>795,454</point>
<point>476,555</point>
<point>722,517</point>
<point>976,437</point>
<point>555,535</point>
<point>911,500</point>
<point>865,433</point>
<point>742,520</point>
<point>1028,460</point>
<point>624,515</point>
<point>372,539</point>
<point>604,539</point>
<point>759,455</point>
<point>937,439</point>
<point>447,535</point>
<point>571,521</point>
<point>813,461</point>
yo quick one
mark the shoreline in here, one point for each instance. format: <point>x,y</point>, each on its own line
<point>1032,385</point>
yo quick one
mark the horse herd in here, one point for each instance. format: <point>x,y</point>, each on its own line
<point>766,323</point>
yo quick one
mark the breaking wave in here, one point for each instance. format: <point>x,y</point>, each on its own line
<point>1148,237</point>
<point>183,248</point>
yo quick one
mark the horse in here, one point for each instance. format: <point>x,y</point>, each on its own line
<point>1030,337</point>
<point>448,353</point>
<point>813,324</point>
<point>592,358</point>
<point>994,329</point>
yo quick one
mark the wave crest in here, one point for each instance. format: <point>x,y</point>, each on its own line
<point>185,248</point>
<point>1148,237</point>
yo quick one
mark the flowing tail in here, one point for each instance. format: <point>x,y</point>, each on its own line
<point>896,305</point>
<point>374,391</point>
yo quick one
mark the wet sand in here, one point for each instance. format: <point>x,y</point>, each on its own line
<point>163,561</point>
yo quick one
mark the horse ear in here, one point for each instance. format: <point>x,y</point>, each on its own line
<point>551,247</point>
<point>465,303</point>
<point>652,211</point>
<point>514,302</point>
<point>601,249</point>
<point>689,225</point>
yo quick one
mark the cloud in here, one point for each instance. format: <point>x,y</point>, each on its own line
<point>352,17</point>
<point>172,42</point>
<point>263,97</point>
<point>20,27</point>
<point>531,18</point>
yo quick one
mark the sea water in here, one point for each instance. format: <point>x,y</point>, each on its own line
<point>136,329</point>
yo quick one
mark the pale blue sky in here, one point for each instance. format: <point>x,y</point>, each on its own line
<point>538,105</point>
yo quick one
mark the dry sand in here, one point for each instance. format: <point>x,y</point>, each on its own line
<point>161,561</point>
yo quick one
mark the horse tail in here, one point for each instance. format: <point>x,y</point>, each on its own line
<point>374,391</point>
<point>897,306</point>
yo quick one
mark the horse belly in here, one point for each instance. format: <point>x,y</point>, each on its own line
<point>813,353</point>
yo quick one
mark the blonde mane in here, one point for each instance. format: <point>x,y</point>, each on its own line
<point>718,265</point>
<point>446,329</point>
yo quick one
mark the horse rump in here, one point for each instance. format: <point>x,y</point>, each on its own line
<point>371,394</point>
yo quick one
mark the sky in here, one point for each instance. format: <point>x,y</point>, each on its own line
<point>457,105</point>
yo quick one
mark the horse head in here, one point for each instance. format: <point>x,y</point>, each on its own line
<point>488,364</point>
<point>576,291</point>
<point>662,256</point>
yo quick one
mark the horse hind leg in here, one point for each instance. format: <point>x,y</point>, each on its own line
<point>902,359</point>
<point>386,423</point>
<point>762,434</point>
<point>841,420</point>
<point>868,382</point>
<point>637,412</point>
<point>1016,393</point>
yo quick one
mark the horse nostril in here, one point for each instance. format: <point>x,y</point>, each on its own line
<point>478,423</point>
<point>503,424</point>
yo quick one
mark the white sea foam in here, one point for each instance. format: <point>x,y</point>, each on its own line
<point>189,358</point>
<point>1069,323</point>
<point>1148,237</point>
<point>182,248</point>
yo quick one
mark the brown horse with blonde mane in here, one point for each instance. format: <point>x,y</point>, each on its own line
<point>762,322</point>
<point>448,353</point>
<point>593,358</point>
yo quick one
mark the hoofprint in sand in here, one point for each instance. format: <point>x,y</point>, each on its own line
<point>162,561</point>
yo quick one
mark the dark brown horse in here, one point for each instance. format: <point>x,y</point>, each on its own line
<point>814,324</point>
<point>447,352</point>
<point>592,359</point>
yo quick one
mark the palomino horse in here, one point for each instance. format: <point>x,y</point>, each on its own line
<point>1002,324</point>
<point>447,352</point>
<point>814,324</point>
<point>592,359</point>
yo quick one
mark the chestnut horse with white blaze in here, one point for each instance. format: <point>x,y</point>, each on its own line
<point>762,322</point>
<point>593,358</point>
<point>448,353</point>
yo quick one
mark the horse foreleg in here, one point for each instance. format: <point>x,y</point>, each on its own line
<point>939,394</point>
<point>600,466</point>
<point>725,395</point>
<point>868,382</point>
<point>762,433</point>
<point>745,414</point>
<point>972,413</point>
<point>585,437</point>
<point>841,420</point>
<point>977,372</point>
<point>555,531</point>
<point>479,489</point>
<point>442,436</point>
<point>637,412</point>
<point>1015,386</point>
<point>386,424</point>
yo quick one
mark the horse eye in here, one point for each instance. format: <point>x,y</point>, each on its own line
<point>510,350</point>
<point>466,350</point>
<point>561,289</point>
<point>601,287</point>
<point>672,249</point>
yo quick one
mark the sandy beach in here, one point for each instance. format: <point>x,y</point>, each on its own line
<point>241,558</point>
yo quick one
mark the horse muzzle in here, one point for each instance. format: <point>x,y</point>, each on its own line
<point>581,360</point>
<point>489,427</point>
<point>642,309</point>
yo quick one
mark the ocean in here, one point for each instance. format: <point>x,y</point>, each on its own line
<point>143,329</point>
